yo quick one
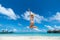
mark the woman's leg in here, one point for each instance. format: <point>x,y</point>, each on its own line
<point>31,25</point>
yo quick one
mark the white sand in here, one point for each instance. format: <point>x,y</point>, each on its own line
<point>29,38</point>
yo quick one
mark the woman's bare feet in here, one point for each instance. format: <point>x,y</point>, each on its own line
<point>33,27</point>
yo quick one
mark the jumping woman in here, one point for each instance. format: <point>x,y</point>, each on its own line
<point>32,20</point>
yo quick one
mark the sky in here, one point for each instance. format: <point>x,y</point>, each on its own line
<point>14,15</point>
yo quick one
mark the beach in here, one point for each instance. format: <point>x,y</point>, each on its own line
<point>29,37</point>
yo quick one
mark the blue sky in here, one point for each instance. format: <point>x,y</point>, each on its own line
<point>14,15</point>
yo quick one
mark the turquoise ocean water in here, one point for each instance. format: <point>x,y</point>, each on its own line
<point>31,34</point>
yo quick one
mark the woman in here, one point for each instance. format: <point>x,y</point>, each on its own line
<point>32,21</point>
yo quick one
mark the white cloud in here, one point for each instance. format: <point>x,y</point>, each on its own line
<point>49,27</point>
<point>18,16</point>
<point>33,29</point>
<point>27,27</point>
<point>0,25</point>
<point>57,27</point>
<point>37,17</point>
<point>15,30</point>
<point>6,29</point>
<point>39,30</point>
<point>26,15</point>
<point>55,17</point>
<point>44,30</point>
<point>19,24</point>
<point>36,29</point>
<point>8,12</point>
